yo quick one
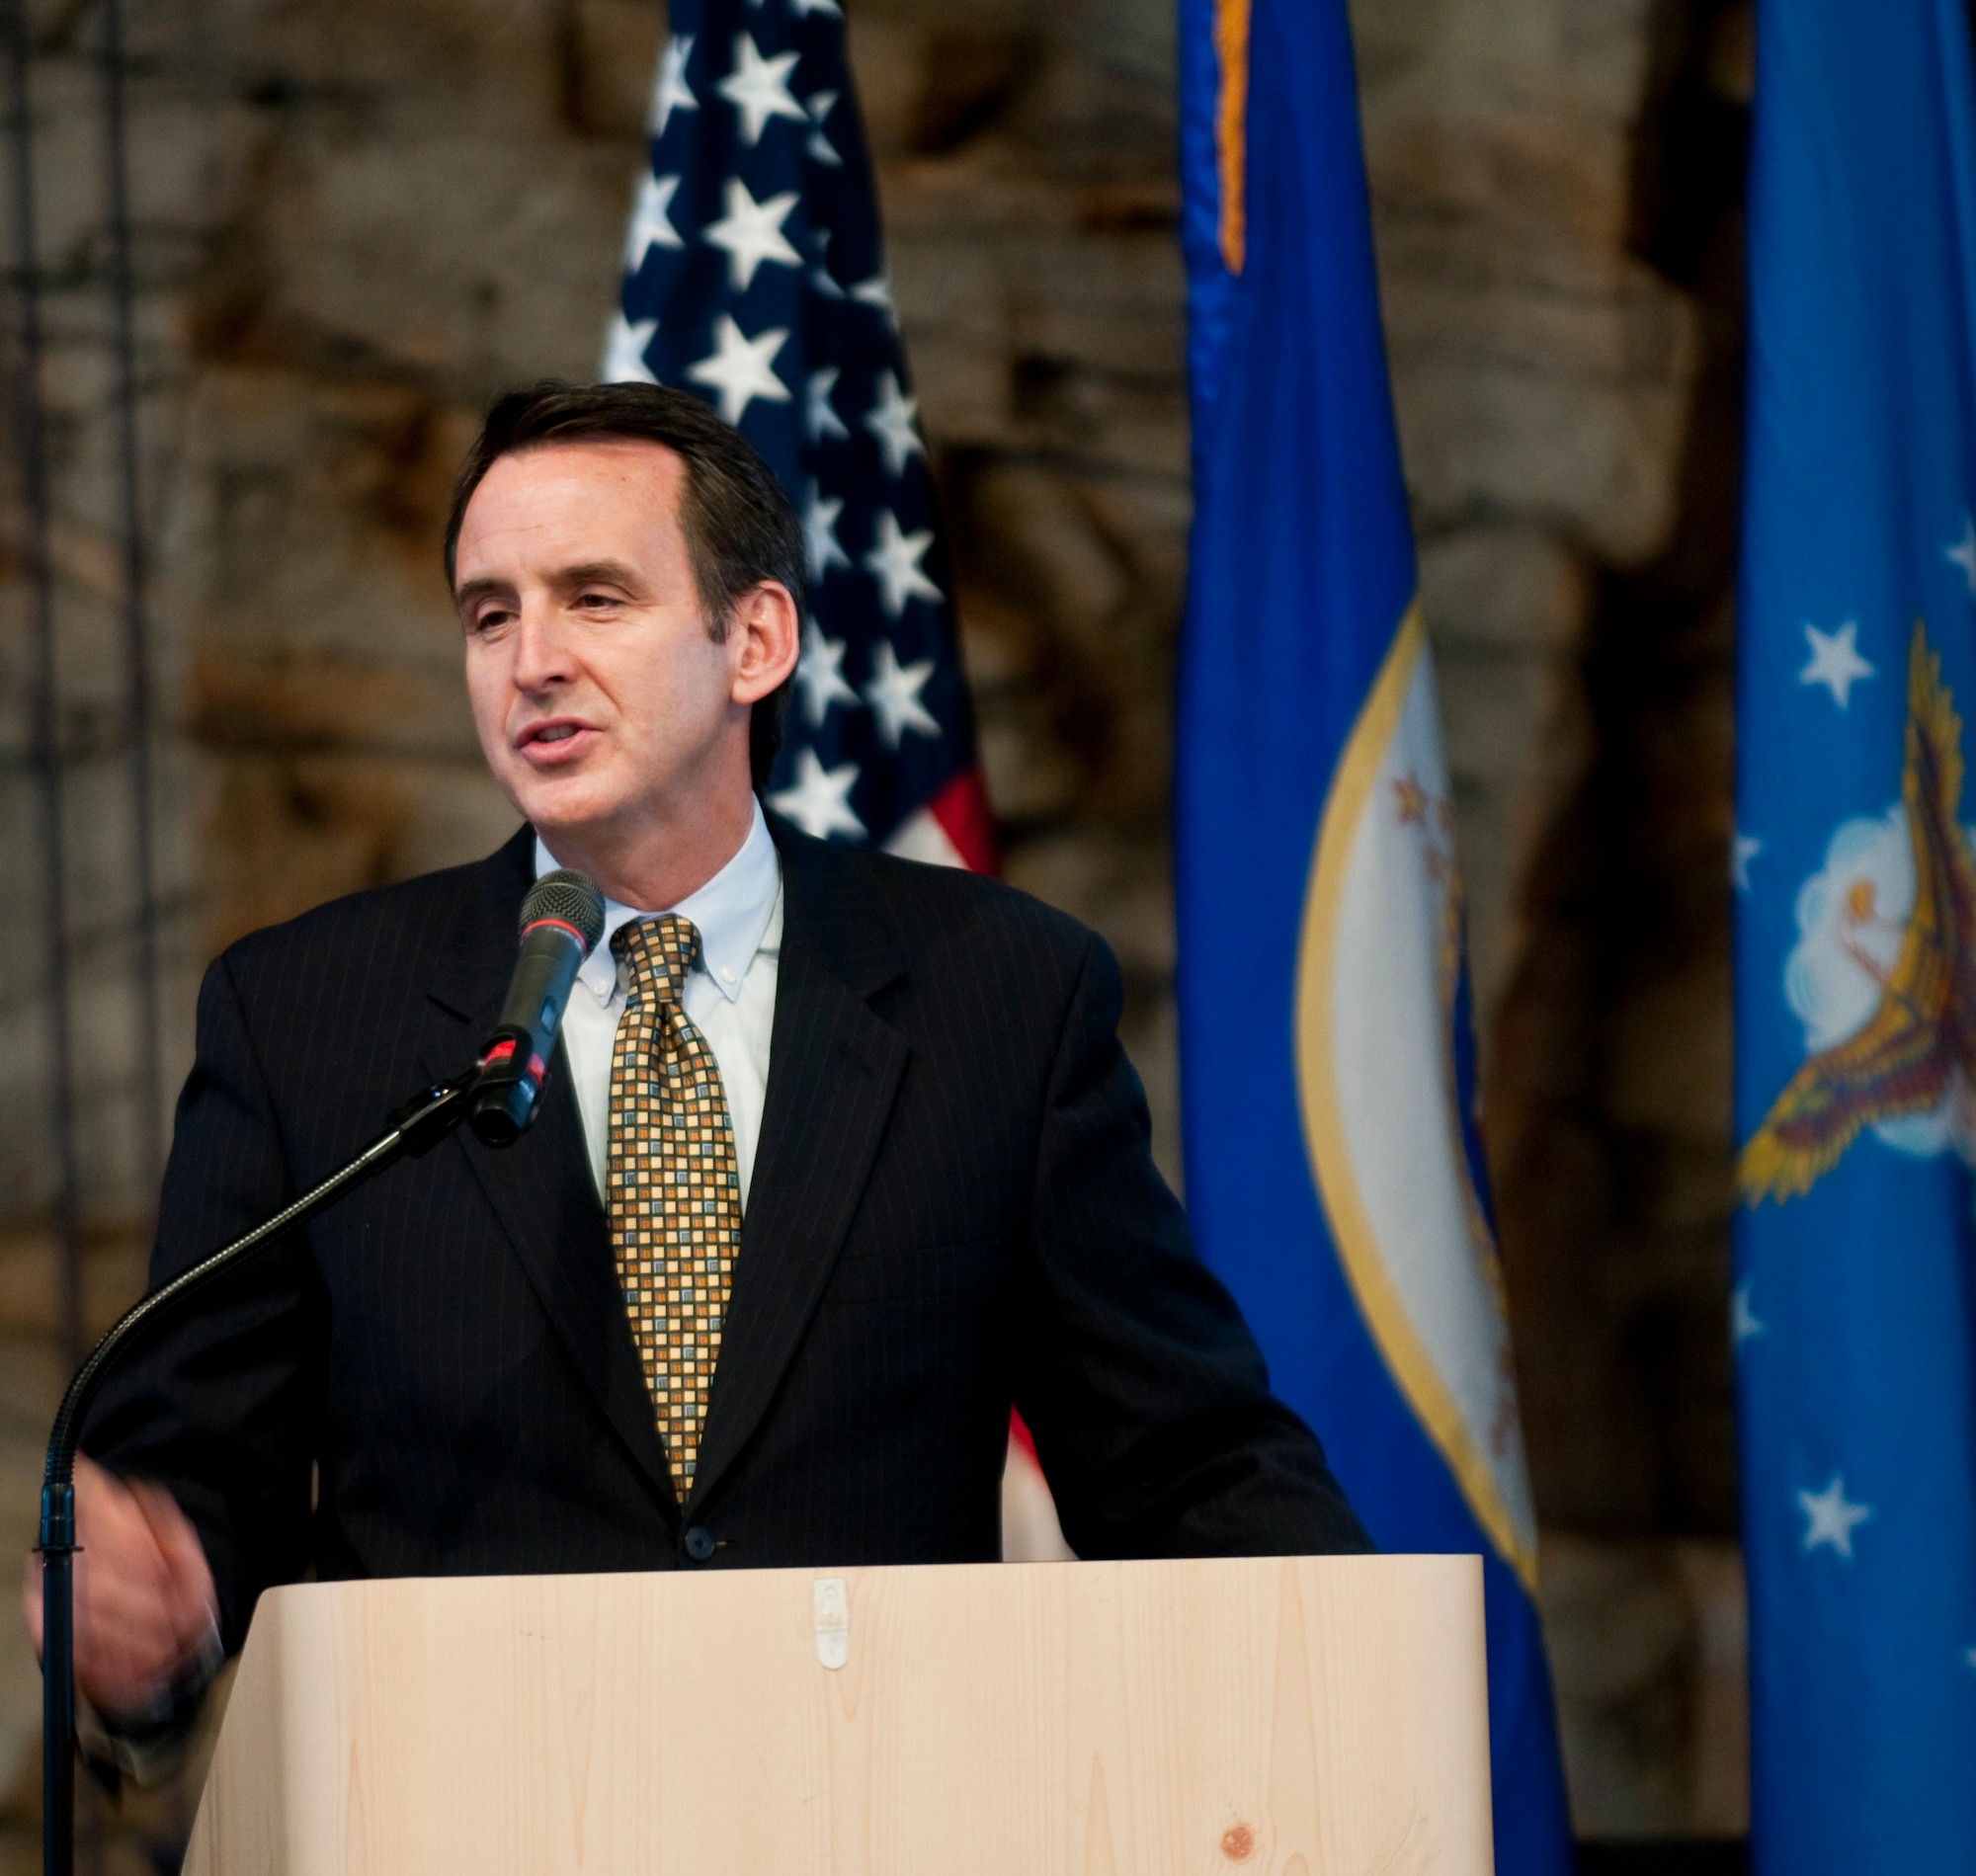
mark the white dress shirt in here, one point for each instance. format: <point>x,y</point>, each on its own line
<point>730,994</point>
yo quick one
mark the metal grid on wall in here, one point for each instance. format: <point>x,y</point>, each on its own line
<point>51,741</point>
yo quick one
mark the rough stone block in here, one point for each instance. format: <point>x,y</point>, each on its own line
<point>491,246</point>
<point>1503,585</point>
<point>1646,1645</point>
<point>1482,436</point>
<point>611,53</point>
<point>1031,775</point>
<point>1122,889</point>
<point>1668,1065</point>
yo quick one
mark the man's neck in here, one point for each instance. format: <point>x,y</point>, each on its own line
<point>653,867</point>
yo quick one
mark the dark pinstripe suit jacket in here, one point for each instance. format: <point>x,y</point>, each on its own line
<point>952,1209</point>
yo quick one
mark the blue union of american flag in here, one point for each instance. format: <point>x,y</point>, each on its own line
<point>754,275</point>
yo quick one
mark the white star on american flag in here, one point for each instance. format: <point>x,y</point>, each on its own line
<point>820,418</point>
<point>822,548</point>
<point>651,224</point>
<point>894,421</point>
<point>759,88</point>
<point>820,276</point>
<point>894,562</point>
<point>877,291</point>
<point>820,674</point>
<point>893,692</point>
<point>818,800</point>
<point>671,93</point>
<point>740,368</point>
<point>624,350</point>
<point>819,146</point>
<point>751,233</point>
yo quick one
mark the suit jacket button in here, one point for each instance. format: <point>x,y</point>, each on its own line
<point>698,1543</point>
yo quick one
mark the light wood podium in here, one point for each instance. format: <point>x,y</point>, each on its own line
<point>1309,1717</point>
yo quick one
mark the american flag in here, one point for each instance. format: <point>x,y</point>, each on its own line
<point>755,275</point>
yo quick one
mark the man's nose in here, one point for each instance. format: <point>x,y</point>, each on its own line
<point>541,650</point>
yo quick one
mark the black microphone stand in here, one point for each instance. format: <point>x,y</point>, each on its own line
<point>415,1129</point>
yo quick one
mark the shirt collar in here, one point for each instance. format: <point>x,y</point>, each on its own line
<point>732,914</point>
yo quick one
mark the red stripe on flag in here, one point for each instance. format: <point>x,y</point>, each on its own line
<point>961,809</point>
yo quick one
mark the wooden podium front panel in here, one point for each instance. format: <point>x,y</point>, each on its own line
<point>1264,1717</point>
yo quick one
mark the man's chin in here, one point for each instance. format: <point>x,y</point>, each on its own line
<point>570,806</point>
<point>566,834</point>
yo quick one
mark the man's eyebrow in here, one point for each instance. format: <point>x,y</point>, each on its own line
<point>464,596</point>
<point>600,573</point>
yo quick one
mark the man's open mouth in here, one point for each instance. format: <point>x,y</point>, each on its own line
<point>552,742</point>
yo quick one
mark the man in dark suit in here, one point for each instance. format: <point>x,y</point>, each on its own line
<point>839,1157</point>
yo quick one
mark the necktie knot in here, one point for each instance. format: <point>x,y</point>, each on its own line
<point>658,953</point>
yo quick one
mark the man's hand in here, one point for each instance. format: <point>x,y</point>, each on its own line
<point>145,1600</point>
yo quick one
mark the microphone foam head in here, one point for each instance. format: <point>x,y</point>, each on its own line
<point>570,898</point>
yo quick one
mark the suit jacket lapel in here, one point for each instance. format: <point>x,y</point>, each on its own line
<point>834,1071</point>
<point>541,1187</point>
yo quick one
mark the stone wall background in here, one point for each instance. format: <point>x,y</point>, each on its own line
<point>359,219</point>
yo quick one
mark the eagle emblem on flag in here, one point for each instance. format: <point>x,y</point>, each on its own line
<point>1884,972</point>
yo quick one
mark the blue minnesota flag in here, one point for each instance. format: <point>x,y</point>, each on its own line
<point>1334,1174</point>
<point>1854,1308</point>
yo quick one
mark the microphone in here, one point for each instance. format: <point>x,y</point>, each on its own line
<point>562,918</point>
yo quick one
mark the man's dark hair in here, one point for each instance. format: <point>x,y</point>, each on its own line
<point>739,527</point>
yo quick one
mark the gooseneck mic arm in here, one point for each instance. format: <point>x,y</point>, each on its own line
<point>414,1129</point>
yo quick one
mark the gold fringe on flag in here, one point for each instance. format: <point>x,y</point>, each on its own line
<point>1231,47</point>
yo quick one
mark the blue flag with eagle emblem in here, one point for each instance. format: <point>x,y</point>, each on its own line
<point>1334,1174</point>
<point>754,276</point>
<point>1855,1302</point>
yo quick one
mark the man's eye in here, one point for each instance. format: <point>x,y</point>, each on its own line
<point>595,601</point>
<point>491,620</point>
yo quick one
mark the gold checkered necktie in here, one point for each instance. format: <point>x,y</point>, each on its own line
<point>672,1184</point>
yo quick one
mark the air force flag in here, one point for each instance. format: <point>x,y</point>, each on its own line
<point>1334,1175</point>
<point>1854,1308</point>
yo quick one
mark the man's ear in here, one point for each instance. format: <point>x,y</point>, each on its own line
<point>767,630</point>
